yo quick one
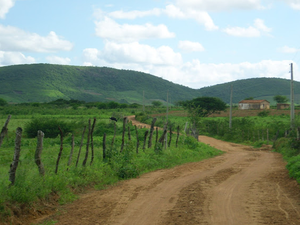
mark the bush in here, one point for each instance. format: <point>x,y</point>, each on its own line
<point>48,126</point>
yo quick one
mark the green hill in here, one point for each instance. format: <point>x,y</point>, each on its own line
<point>258,88</point>
<point>47,82</point>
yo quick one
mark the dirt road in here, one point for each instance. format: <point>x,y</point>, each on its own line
<point>241,187</point>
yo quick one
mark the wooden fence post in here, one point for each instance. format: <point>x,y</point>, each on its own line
<point>87,145</point>
<point>81,143</point>
<point>92,140</point>
<point>162,138</point>
<point>137,140</point>
<point>104,145</point>
<point>145,139</point>
<point>71,152</point>
<point>113,140</point>
<point>129,136</point>
<point>156,138</point>
<point>177,137</point>
<point>151,132</point>
<point>60,150</point>
<point>170,140</point>
<point>4,130</point>
<point>14,164</point>
<point>123,134</point>
<point>38,152</point>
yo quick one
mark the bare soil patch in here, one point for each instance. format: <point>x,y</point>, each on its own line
<point>243,186</point>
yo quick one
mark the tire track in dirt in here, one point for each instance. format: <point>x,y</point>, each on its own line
<point>242,186</point>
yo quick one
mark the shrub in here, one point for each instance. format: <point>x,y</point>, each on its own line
<point>48,126</point>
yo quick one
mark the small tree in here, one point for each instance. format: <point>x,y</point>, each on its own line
<point>203,107</point>
<point>280,99</point>
<point>156,103</point>
<point>3,102</point>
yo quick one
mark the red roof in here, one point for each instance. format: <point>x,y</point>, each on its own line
<point>253,101</point>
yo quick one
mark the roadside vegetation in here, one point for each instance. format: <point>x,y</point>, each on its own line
<point>71,179</point>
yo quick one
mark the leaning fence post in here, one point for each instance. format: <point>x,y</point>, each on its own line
<point>177,136</point>
<point>151,132</point>
<point>92,141</point>
<point>123,134</point>
<point>4,130</point>
<point>14,164</point>
<point>72,150</point>
<point>145,139</point>
<point>38,152</point>
<point>81,143</point>
<point>87,145</point>
<point>60,151</point>
<point>137,140</point>
<point>104,145</point>
<point>170,140</point>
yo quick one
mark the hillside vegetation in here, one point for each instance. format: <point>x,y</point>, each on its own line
<point>47,82</point>
<point>258,88</point>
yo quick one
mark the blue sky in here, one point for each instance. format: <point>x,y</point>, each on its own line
<point>195,43</point>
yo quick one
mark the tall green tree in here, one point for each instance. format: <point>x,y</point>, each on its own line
<point>3,102</point>
<point>280,99</point>
<point>204,106</point>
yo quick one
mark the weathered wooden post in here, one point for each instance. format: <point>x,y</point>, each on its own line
<point>129,136</point>
<point>151,132</point>
<point>4,130</point>
<point>113,140</point>
<point>162,138</point>
<point>137,140</point>
<point>14,164</point>
<point>87,145</point>
<point>60,150</point>
<point>81,143</point>
<point>104,146</point>
<point>177,137</point>
<point>170,140</point>
<point>38,152</point>
<point>145,139</point>
<point>71,152</point>
<point>92,140</point>
<point>123,134</point>
<point>156,138</point>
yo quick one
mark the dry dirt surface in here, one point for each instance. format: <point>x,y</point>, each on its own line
<point>244,186</point>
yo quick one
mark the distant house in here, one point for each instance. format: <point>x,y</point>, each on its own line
<point>254,104</point>
<point>283,105</point>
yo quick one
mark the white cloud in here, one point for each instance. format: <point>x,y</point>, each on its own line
<point>286,49</point>
<point>190,46</point>
<point>132,53</point>
<point>111,30</point>
<point>295,4</point>
<point>12,58</point>
<point>58,60</point>
<point>5,6</point>
<point>195,74</point>
<point>257,30</point>
<point>135,14</point>
<point>219,5</point>
<point>15,39</point>
<point>200,16</point>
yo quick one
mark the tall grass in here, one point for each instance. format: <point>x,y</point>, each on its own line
<point>70,180</point>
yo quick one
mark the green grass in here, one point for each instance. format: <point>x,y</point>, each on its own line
<point>70,180</point>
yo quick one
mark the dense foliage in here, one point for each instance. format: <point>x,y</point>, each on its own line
<point>46,82</point>
<point>258,88</point>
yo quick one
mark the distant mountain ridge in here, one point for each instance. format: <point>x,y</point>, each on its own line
<point>48,82</point>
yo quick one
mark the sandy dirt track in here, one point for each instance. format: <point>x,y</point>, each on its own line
<point>244,186</point>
